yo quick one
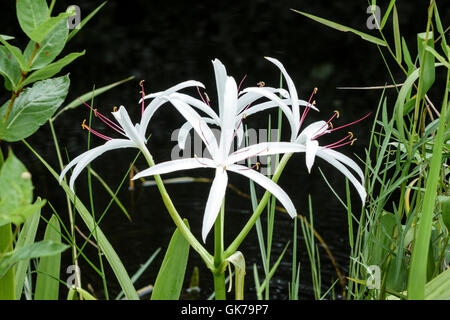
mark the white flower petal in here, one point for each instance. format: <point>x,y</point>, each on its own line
<point>272,104</point>
<point>215,199</point>
<point>176,165</point>
<point>330,159</point>
<point>130,130</point>
<point>221,77</point>
<point>311,149</point>
<point>247,98</point>
<point>175,88</point>
<point>263,149</point>
<point>346,160</point>
<point>85,158</point>
<point>267,184</point>
<point>311,131</point>
<point>197,104</point>
<point>228,118</point>
<point>292,90</point>
<point>184,130</point>
<point>198,124</point>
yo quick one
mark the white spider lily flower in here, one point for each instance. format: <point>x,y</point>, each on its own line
<point>243,105</point>
<point>134,134</point>
<point>134,139</point>
<point>222,159</point>
<point>307,138</point>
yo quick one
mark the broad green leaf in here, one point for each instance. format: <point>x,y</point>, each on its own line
<point>445,203</point>
<point>51,69</point>
<point>169,281</point>
<point>84,21</point>
<point>16,192</point>
<point>33,108</point>
<point>26,237</point>
<point>397,38</point>
<point>17,53</point>
<point>106,248</point>
<point>47,284</point>
<point>49,48</point>
<point>439,287</point>
<point>7,276</point>
<point>90,95</point>
<point>83,294</point>
<point>343,28</point>
<point>38,249</point>
<point>47,26</point>
<point>9,68</point>
<point>440,58</point>
<point>31,13</point>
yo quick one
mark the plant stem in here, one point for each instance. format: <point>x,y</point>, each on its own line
<point>262,204</point>
<point>218,272</point>
<point>195,244</point>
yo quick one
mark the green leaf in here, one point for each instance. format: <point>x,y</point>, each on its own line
<point>407,57</point>
<point>42,248</point>
<point>5,37</point>
<point>9,68</point>
<point>90,95</point>
<point>170,277</point>
<point>84,21</point>
<point>343,28</point>
<point>238,260</point>
<point>16,192</point>
<point>52,69</point>
<point>26,237</point>
<point>17,54</point>
<point>33,108</point>
<point>47,284</point>
<point>445,203</point>
<point>31,13</point>
<point>426,61</point>
<point>47,26</point>
<point>7,276</point>
<point>397,38</point>
<point>439,287</point>
<point>49,48</point>
<point>83,293</point>
<point>386,15</point>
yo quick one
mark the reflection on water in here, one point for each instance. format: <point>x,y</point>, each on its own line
<point>168,43</point>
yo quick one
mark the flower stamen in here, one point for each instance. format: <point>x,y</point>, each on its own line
<point>98,134</point>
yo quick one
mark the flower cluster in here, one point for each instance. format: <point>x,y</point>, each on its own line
<point>234,105</point>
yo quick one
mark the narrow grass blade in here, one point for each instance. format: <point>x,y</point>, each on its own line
<point>7,280</point>
<point>47,287</point>
<point>26,237</point>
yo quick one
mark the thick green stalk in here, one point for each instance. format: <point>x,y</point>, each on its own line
<point>418,271</point>
<point>218,272</point>
<point>262,204</point>
<point>195,244</point>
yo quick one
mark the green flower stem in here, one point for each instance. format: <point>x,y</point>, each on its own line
<point>262,204</point>
<point>195,244</point>
<point>219,272</point>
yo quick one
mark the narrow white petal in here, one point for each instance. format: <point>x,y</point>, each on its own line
<point>346,160</point>
<point>359,187</point>
<point>131,132</point>
<point>263,149</point>
<point>272,104</point>
<point>286,110</point>
<point>311,149</point>
<point>183,133</point>
<point>221,78</point>
<point>197,104</point>
<point>267,184</point>
<point>247,98</point>
<point>311,131</point>
<point>291,86</point>
<point>228,118</point>
<point>198,124</point>
<point>85,158</point>
<point>156,103</point>
<point>176,165</point>
<point>175,88</point>
<point>215,199</point>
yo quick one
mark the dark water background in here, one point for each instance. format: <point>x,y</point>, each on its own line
<point>166,42</point>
